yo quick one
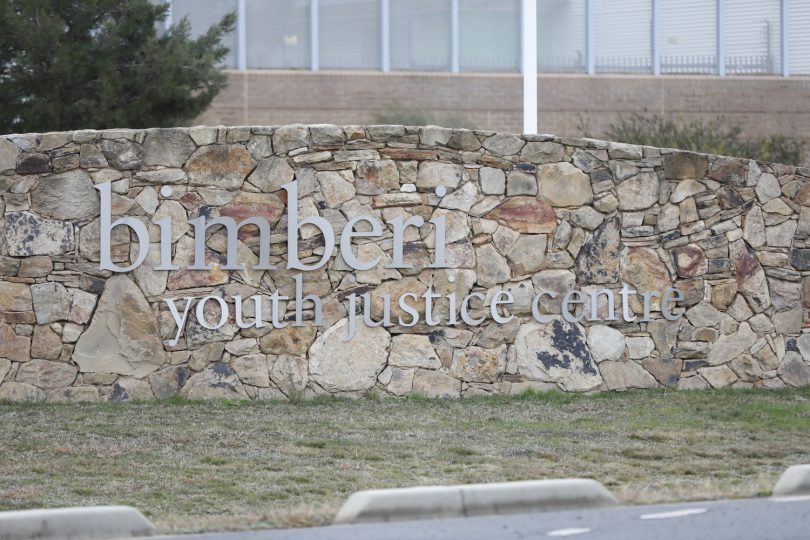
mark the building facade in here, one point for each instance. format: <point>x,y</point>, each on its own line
<point>456,62</point>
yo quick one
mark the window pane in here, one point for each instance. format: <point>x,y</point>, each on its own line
<point>688,36</point>
<point>349,34</point>
<point>752,36</point>
<point>202,14</point>
<point>490,35</point>
<point>561,35</point>
<point>277,33</point>
<point>420,34</point>
<point>799,37</point>
<point>623,36</point>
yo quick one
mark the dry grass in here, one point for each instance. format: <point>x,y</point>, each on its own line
<point>225,465</point>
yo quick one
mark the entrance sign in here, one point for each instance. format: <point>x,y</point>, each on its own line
<point>266,262</point>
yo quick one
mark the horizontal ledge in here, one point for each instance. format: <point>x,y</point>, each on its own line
<point>432,502</point>
<point>85,523</point>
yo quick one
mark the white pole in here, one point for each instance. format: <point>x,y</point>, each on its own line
<point>785,39</point>
<point>529,34</point>
<point>241,36</point>
<point>385,37</point>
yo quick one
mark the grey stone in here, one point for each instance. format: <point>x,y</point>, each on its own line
<point>290,137</point>
<point>587,218</point>
<point>433,174</point>
<point>46,374</point>
<point>493,181</point>
<point>51,302</point>
<point>27,234</point>
<point>542,152</point>
<point>556,352</point>
<point>504,144</point>
<point>621,375</point>
<point>767,188</point>
<point>167,147</point>
<point>492,268</point>
<point>598,260</point>
<point>476,364</point>
<point>413,351</point>
<point>562,184</point>
<point>123,155</point>
<point>69,195</point>
<point>216,381</point>
<point>528,254</point>
<point>432,384</point>
<point>605,343</point>
<point>639,192</point>
<point>718,376</point>
<point>252,369</point>
<point>703,314</point>
<point>129,344</point>
<point>271,173</point>
<point>348,366</point>
<point>730,346</point>
<point>793,370</point>
<point>9,152</point>
<point>167,382</point>
<point>520,183</point>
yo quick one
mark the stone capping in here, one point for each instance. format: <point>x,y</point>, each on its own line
<point>84,523</point>
<point>433,502</point>
<point>528,214</point>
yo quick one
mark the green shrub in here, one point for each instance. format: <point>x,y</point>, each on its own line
<point>721,136</point>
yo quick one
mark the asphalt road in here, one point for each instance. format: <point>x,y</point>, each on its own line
<point>746,519</point>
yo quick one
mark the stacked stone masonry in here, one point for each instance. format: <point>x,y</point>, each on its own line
<point>525,214</point>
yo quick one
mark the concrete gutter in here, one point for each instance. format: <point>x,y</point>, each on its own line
<point>794,481</point>
<point>433,502</point>
<point>87,523</point>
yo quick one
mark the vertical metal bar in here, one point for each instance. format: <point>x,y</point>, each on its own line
<point>385,35</point>
<point>655,38</point>
<point>721,38</point>
<point>314,38</point>
<point>455,38</point>
<point>590,38</point>
<point>785,12</point>
<point>241,36</point>
<point>529,35</point>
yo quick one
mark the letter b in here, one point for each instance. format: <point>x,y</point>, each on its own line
<point>105,232</point>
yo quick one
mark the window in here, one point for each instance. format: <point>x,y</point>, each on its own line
<point>753,36</point>
<point>561,35</point>
<point>420,34</point>
<point>799,37</point>
<point>349,34</point>
<point>623,36</point>
<point>277,33</point>
<point>202,14</point>
<point>688,36</point>
<point>489,35</point>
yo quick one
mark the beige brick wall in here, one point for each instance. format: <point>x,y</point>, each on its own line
<point>763,105</point>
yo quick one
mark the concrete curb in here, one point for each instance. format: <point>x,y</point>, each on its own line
<point>794,481</point>
<point>433,502</point>
<point>75,523</point>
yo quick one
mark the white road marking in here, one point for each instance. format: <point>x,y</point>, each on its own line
<point>568,532</point>
<point>792,498</point>
<point>674,513</point>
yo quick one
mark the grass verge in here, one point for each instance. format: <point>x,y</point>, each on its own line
<point>205,466</point>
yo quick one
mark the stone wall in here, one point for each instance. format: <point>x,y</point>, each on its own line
<point>528,215</point>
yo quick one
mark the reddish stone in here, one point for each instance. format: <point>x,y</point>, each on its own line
<point>729,171</point>
<point>526,215</point>
<point>643,269</point>
<point>729,198</point>
<point>247,205</point>
<point>690,261</point>
<point>492,161</point>
<point>190,279</point>
<point>191,201</point>
<point>408,154</point>
<point>803,196</point>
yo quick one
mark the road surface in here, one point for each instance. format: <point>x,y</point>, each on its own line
<point>745,519</point>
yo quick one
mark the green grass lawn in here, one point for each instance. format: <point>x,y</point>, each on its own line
<point>194,466</point>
